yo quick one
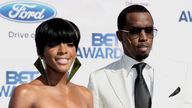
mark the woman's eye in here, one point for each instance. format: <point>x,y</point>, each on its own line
<point>70,44</point>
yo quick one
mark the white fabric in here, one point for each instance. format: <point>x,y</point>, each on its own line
<point>111,89</point>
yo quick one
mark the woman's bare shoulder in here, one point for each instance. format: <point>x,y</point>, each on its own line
<point>84,91</point>
<point>28,89</point>
<point>87,94</point>
<point>24,95</point>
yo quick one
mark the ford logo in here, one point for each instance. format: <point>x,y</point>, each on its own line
<point>22,11</point>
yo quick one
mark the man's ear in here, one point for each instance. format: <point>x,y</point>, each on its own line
<point>119,35</point>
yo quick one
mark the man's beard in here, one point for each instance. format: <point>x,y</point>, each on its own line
<point>141,57</point>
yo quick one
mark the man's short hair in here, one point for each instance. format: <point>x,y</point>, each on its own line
<point>121,21</point>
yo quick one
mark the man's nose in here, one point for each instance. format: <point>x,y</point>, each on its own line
<point>143,35</point>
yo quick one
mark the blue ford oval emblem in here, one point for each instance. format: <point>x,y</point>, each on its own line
<point>26,11</point>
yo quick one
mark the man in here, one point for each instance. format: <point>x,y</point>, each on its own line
<point>117,85</point>
<point>57,42</point>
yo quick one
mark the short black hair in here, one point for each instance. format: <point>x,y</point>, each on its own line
<point>55,31</point>
<point>121,21</point>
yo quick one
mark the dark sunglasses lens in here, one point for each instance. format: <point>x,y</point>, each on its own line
<point>149,30</point>
<point>135,30</point>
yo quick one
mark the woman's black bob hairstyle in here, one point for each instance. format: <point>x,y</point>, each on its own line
<point>54,32</point>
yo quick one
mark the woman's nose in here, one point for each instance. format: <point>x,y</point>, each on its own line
<point>62,48</point>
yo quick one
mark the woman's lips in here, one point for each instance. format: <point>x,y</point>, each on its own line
<point>62,61</point>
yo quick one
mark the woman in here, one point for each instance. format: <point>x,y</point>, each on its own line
<point>56,42</point>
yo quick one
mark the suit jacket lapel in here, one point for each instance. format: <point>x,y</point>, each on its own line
<point>118,83</point>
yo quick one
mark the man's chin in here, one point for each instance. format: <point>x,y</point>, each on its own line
<point>141,57</point>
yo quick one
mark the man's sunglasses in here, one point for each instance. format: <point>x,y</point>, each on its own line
<point>136,31</point>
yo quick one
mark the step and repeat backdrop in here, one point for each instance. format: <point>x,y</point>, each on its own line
<point>97,21</point>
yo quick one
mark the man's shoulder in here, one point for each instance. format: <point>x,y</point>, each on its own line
<point>108,68</point>
<point>168,66</point>
<point>166,62</point>
<point>160,61</point>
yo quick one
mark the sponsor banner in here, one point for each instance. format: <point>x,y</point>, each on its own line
<point>27,11</point>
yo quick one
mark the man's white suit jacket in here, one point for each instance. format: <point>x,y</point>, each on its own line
<point>109,88</point>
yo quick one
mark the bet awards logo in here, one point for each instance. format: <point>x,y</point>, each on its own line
<point>25,11</point>
<point>104,46</point>
<point>14,78</point>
